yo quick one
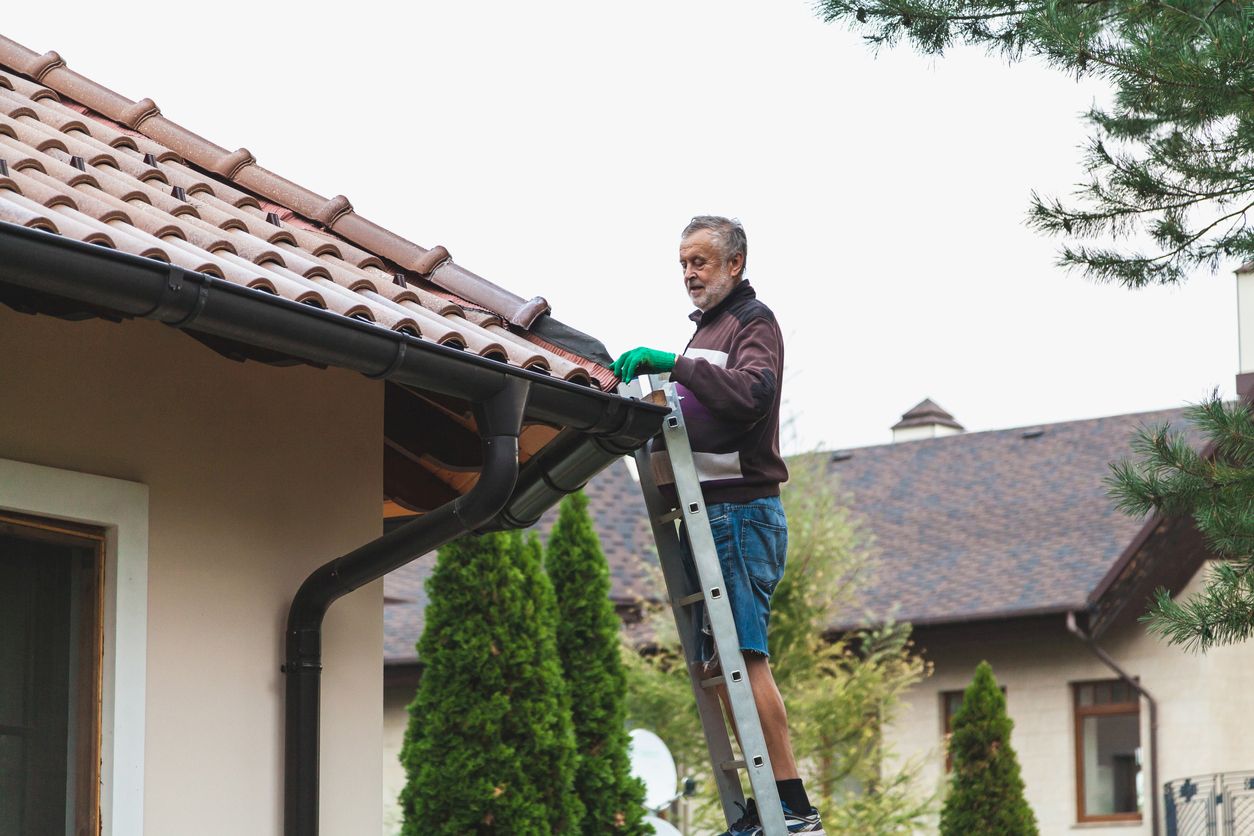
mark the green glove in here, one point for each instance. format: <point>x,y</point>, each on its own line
<point>642,361</point>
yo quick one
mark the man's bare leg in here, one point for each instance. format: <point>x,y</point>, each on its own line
<point>771,713</point>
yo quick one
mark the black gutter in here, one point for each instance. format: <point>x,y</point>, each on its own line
<point>599,427</point>
<point>134,286</point>
<point>1074,628</point>
<point>499,419</point>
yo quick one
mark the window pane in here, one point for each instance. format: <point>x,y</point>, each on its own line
<point>953,702</point>
<point>1112,764</point>
<point>1084,695</point>
<point>49,681</point>
<point>12,767</point>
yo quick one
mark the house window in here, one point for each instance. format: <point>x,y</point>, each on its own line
<point>951,701</point>
<point>1109,782</point>
<point>51,630</point>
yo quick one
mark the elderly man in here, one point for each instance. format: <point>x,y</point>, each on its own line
<point>729,376</point>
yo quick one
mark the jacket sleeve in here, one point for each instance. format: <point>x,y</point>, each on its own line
<point>746,389</point>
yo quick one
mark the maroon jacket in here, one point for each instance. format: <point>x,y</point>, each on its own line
<point>729,378</point>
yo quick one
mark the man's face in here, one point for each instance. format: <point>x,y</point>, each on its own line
<point>707,276</point>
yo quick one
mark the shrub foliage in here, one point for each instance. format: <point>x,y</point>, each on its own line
<point>985,789</point>
<point>588,644</point>
<point>489,747</point>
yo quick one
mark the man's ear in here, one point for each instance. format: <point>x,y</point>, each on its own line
<point>736,266</point>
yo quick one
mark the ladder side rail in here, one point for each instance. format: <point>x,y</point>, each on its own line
<point>678,586</point>
<point>735,675</point>
<point>709,708</point>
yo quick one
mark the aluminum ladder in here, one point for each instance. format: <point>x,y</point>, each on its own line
<point>663,517</point>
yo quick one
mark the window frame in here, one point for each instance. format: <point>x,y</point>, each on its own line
<point>89,652</point>
<point>1079,713</point>
<point>120,508</point>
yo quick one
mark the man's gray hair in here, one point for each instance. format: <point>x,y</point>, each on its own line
<point>729,233</point>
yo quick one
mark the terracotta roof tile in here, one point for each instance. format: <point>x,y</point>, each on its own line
<point>90,164</point>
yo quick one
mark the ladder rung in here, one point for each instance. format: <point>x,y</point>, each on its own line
<point>690,599</point>
<point>732,766</point>
<point>669,517</point>
<point>713,681</point>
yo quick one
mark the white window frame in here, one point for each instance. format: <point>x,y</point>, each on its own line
<point>121,509</point>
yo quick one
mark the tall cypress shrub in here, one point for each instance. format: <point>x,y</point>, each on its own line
<point>489,746</point>
<point>985,788</point>
<point>588,644</point>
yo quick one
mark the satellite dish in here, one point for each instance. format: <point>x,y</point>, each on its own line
<point>661,828</point>
<point>652,763</point>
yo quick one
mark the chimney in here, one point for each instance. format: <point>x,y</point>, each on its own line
<point>1245,331</point>
<point>925,420</point>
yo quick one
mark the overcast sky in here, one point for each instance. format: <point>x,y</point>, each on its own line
<point>559,148</point>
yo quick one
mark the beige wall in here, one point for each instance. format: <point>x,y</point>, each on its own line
<point>1204,703</point>
<point>256,475</point>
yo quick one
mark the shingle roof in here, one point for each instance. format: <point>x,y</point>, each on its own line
<point>622,526</point>
<point>992,524</point>
<point>87,163</point>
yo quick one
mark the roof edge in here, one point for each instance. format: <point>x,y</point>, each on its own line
<point>973,618</point>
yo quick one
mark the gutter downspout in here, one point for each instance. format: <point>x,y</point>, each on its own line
<point>1074,628</point>
<point>500,420</point>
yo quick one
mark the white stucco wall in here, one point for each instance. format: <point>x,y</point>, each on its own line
<point>1204,705</point>
<point>255,476</point>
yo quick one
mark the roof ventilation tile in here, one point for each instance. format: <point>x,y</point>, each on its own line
<point>399,280</point>
<point>4,168</point>
<point>272,218</point>
<point>78,163</point>
<point>179,193</point>
<point>150,160</point>
<point>1035,432</point>
<point>842,456</point>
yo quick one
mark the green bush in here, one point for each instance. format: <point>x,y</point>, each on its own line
<point>588,644</point>
<point>489,747</point>
<point>985,789</point>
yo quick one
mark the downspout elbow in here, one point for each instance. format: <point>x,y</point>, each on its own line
<point>1105,658</point>
<point>500,423</point>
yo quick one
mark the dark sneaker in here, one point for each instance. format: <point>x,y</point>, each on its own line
<point>807,823</point>
<point>748,823</point>
<point>796,823</point>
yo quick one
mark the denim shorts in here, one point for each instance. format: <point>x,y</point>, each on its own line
<point>752,543</point>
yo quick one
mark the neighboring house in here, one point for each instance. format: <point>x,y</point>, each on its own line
<point>162,498</point>
<point>1004,546</point>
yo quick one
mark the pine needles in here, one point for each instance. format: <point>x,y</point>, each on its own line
<point>1173,478</point>
<point>1171,162</point>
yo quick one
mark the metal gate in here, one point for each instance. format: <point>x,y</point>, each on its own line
<point>1210,805</point>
